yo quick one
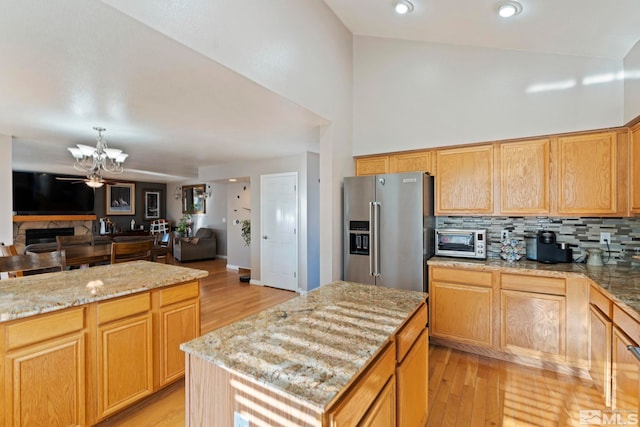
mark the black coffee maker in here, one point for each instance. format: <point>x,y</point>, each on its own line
<point>551,252</point>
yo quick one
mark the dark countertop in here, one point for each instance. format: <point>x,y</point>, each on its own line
<point>620,283</point>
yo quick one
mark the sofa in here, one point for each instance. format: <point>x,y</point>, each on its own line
<point>201,246</point>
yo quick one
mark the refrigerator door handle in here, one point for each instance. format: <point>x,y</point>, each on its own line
<point>371,239</point>
<point>376,239</point>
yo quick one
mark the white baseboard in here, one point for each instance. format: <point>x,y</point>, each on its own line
<point>256,282</point>
<point>221,256</point>
<point>233,267</point>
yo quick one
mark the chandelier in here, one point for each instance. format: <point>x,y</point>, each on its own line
<point>94,160</point>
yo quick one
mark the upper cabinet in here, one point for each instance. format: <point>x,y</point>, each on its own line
<point>419,161</point>
<point>588,174</point>
<point>464,181</point>
<point>372,165</point>
<point>634,169</point>
<point>524,177</point>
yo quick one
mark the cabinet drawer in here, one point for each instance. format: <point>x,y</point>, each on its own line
<point>363,393</point>
<point>537,284</point>
<point>123,307</point>
<point>44,327</point>
<point>179,293</point>
<point>410,331</point>
<point>603,303</point>
<point>467,277</point>
<point>626,323</point>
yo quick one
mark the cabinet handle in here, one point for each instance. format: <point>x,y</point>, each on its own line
<point>635,351</point>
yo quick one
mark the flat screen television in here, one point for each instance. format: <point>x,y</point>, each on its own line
<point>39,193</point>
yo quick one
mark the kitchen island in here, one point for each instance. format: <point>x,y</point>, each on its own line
<point>340,355</point>
<point>78,346</point>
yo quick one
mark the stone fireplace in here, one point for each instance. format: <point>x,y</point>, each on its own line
<point>79,227</point>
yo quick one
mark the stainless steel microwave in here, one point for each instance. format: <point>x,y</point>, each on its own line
<point>461,243</point>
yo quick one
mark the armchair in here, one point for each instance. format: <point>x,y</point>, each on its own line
<point>201,246</point>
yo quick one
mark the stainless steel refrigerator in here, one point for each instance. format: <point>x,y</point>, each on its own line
<point>389,229</point>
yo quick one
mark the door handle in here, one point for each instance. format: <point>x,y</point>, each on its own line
<point>371,239</point>
<point>265,237</point>
<point>635,351</point>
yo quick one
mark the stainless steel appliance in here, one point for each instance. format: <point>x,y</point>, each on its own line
<point>461,243</point>
<point>389,228</point>
<point>551,252</point>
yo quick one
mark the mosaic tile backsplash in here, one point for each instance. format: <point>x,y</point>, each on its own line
<point>580,233</point>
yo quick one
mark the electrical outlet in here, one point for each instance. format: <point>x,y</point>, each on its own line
<point>604,238</point>
<point>239,420</point>
<point>504,235</point>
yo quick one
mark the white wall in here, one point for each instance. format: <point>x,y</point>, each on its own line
<point>298,49</point>
<point>632,84</point>
<point>238,209</point>
<point>300,164</point>
<point>410,95</point>
<point>6,191</point>
<point>215,216</point>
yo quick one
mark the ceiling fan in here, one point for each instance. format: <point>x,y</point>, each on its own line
<point>94,180</point>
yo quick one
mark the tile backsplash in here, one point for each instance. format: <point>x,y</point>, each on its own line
<point>581,233</point>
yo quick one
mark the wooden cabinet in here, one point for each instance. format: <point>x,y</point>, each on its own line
<point>587,174</point>
<point>413,384</point>
<point>461,305</point>
<point>634,169</point>
<point>524,177</point>
<point>353,407</point>
<point>178,321</point>
<point>625,374</point>
<point>464,181</point>
<point>382,412</point>
<point>372,165</point>
<point>600,351</point>
<point>44,370</point>
<point>125,355</point>
<point>419,161</point>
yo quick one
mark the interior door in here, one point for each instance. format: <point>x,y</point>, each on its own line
<point>279,230</point>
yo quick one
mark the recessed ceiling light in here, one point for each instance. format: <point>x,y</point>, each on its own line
<point>232,180</point>
<point>509,9</point>
<point>402,6</point>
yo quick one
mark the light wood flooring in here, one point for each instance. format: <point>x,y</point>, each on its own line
<point>464,389</point>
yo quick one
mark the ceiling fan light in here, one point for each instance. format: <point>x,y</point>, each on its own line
<point>402,7</point>
<point>121,157</point>
<point>94,184</point>
<point>509,9</point>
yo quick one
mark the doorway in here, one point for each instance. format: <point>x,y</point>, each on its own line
<point>279,230</point>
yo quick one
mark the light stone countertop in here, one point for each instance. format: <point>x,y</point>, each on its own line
<point>311,346</point>
<point>620,283</point>
<point>42,293</point>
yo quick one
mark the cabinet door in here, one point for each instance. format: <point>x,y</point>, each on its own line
<point>411,162</point>
<point>413,384</point>
<point>372,165</point>
<point>625,384</point>
<point>634,177</point>
<point>533,324</point>
<point>464,181</point>
<point>461,312</point>
<point>125,363</point>
<point>46,383</point>
<point>587,174</point>
<point>524,177</point>
<point>179,323</point>
<point>600,352</point>
<point>383,411</point>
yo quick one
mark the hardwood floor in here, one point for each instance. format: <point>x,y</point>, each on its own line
<point>464,389</point>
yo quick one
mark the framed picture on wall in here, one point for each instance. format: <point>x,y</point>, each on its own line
<point>152,204</point>
<point>121,199</point>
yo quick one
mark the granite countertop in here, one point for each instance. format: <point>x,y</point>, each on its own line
<point>620,283</point>
<point>311,346</point>
<point>42,293</point>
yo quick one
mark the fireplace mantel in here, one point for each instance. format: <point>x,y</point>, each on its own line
<point>33,218</point>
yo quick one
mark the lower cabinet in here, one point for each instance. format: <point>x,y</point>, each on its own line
<point>413,384</point>
<point>382,412</point>
<point>461,305</point>
<point>125,356</point>
<point>625,376</point>
<point>43,371</point>
<point>600,352</point>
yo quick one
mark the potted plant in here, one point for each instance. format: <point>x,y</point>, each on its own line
<point>246,231</point>
<point>185,223</point>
